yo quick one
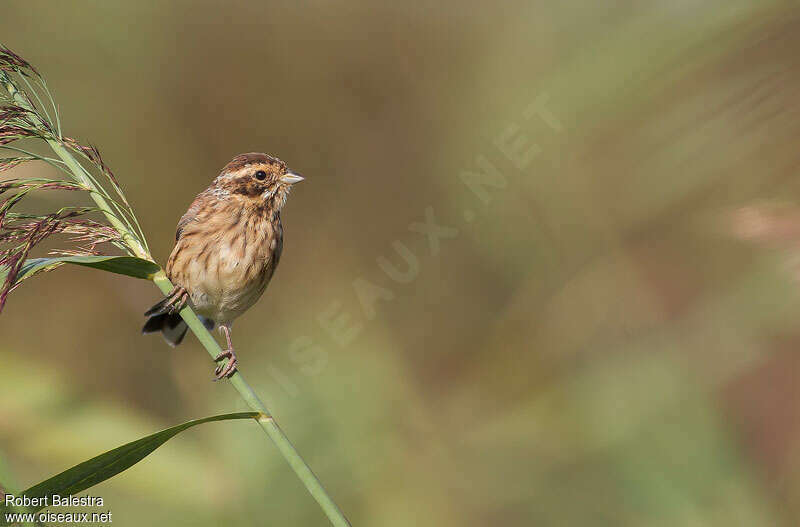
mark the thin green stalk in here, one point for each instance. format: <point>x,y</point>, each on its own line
<point>80,175</point>
<point>53,104</point>
<point>39,99</point>
<point>265,420</point>
<point>77,170</point>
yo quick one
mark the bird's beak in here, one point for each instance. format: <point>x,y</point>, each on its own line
<point>290,178</point>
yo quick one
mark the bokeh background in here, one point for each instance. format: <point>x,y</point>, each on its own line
<point>611,337</point>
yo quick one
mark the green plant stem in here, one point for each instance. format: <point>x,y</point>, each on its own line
<point>265,420</point>
<point>78,172</point>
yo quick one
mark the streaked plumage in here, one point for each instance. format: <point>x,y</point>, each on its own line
<point>228,245</point>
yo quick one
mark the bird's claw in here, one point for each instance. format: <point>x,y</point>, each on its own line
<point>173,303</point>
<point>227,369</point>
<point>178,300</point>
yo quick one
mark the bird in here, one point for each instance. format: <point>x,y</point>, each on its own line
<point>227,247</point>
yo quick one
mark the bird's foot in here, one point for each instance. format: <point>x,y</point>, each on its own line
<point>225,370</point>
<point>177,299</point>
<point>173,303</point>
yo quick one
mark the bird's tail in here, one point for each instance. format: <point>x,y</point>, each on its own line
<point>172,327</point>
<point>164,318</point>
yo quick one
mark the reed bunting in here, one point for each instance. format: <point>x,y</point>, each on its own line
<point>228,245</point>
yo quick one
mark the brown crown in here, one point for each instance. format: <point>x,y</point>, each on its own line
<point>242,160</point>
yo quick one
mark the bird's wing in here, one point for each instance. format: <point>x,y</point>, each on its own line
<point>190,216</point>
<point>185,219</point>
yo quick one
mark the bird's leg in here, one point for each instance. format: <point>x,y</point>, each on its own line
<point>226,370</point>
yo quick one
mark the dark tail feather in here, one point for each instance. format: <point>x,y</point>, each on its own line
<point>159,309</point>
<point>172,327</point>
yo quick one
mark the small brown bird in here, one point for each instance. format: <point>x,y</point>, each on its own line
<point>227,247</point>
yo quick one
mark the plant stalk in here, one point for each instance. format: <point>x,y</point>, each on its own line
<point>265,419</point>
<point>77,171</point>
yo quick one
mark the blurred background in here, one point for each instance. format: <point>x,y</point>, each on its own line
<point>602,329</point>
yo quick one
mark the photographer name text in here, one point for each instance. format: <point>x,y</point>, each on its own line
<point>54,500</point>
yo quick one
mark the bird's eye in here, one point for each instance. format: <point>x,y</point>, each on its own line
<point>261,175</point>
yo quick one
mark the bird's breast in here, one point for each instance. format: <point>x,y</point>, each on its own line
<point>226,266</point>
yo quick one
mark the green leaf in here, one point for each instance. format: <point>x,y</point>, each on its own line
<point>100,468</point>
<point>127,265</point>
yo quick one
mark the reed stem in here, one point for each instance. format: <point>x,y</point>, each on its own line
<point>265,420</point>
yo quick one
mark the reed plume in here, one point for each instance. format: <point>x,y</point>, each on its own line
<point>104,235</point>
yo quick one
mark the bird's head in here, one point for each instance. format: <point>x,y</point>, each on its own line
<point>256,179</point>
